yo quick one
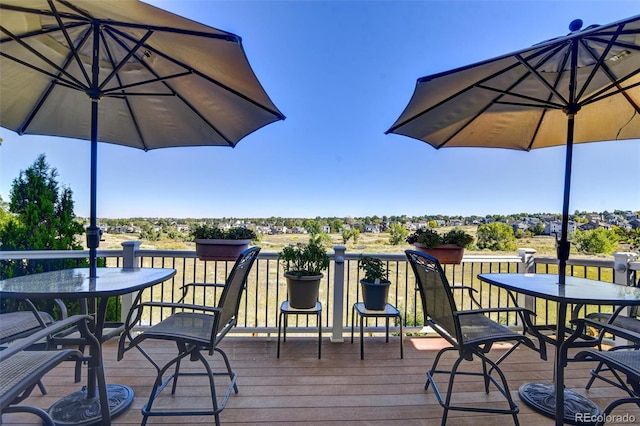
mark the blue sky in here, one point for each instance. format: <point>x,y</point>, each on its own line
<point>342,72</point>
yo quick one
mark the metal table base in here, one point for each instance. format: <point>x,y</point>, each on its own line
<point>76,409</point>
<point>542,398</point>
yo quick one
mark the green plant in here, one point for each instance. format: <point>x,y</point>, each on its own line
<point>206,231</point>
<point>375,270</point>
<point>305,259</point>
<point>397,233</point>
<point>430,238</point>
<point>458,237</point>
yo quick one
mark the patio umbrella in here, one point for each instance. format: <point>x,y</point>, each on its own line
<point>124,72</point>
<point>583,87</point>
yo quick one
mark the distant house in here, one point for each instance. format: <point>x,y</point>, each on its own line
<point>279,229</point>
<point>118,230</point>
<point>326,229</point>
<point>594,225</point>
<point>519,226</point>
<point>372,228</point>
<point>298,230</point>
<point>555,227</point>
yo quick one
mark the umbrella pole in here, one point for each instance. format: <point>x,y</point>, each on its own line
<point>563,245</point>
<point>93,232</point>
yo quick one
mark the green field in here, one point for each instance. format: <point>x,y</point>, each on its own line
<point>368,242</point>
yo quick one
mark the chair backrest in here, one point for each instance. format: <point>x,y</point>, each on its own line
<point>229,301</point>
<point>437,299</point>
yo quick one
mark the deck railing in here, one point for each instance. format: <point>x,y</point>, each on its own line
<point>266,285</point>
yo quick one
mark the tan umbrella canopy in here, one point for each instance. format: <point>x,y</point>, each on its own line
<point>583,87</point>
<point>124,72</point>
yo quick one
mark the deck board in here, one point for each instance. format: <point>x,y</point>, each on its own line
<point>299,388</point>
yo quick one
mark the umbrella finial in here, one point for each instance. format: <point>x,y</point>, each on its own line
<point>575,25</point>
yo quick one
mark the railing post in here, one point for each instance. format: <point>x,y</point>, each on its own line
<point>129,260</point>
<point>338,294</point>
<point>527,266</point>
<point>622,275</point>
<point>621,271</point>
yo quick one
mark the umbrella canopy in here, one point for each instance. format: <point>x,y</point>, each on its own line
<point>124,72</point>
<point>583,87</point>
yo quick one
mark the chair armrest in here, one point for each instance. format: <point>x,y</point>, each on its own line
<point>610,328</point>
<point>490,310</point>
<point>203,285</point>
<point>472,293</point>
<point>42,334</point>
<point>185,288</point>
<point>175,306</point>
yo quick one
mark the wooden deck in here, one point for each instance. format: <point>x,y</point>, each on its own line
<point>339,388</point>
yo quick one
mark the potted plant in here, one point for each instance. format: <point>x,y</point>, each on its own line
<point>303,264</point>
<point>214,243</point>
<point>375,284</point>
<point>448,248</point>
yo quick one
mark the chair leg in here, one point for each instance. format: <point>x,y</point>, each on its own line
<point>447,403</point>
<point>46,419</point>
<point>182,348</point>
<point>78,369</point>
<point>228,365</point>
<point>43,390</point>
<point>487,366</point>
<point>160,383</point>
<point>435,364</point>
<point>607,411</point>
<point>485,376</point>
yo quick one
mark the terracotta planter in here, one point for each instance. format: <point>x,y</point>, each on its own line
<point>446,253</point>
<point>303,291</point>
<point>215,249</point>
<point>375,295</point>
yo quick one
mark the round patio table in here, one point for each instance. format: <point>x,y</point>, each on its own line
<point>83,407</point>
<point>553,400</point>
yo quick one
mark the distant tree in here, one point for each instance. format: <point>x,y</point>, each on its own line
<point>433,224</point>
<point>628,236</point>
<point>538,228</point>
<point>336,225</point>
<point>44,213</point>
<point>397,234</point>
<point>496,236</point>
<point>313,226</point>
<point>596,241</point>
<point>346,235</point>
<point>40,217</point>
<point>355,235</point>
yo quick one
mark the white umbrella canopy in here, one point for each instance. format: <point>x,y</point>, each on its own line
<point>124,72</point>
<point>583,87</point>
<point>163,80</point>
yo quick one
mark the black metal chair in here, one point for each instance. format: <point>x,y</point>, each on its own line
<point>19,324</point>
<point>22,367</point>
<point>619,320</point>
<point>469,332</point>
<point>622,362</point>
<point>194,329</point>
